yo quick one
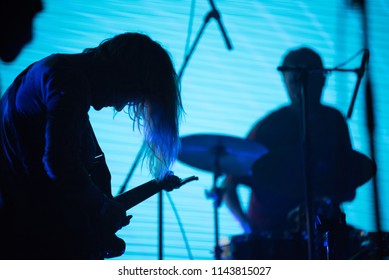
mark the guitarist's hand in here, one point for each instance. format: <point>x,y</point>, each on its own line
<point>170,182</point>
<point>113,216</point>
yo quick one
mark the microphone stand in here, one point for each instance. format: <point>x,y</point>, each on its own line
<point>309,208</point>
<point>304,132</point>
<point>370,120</point>
<point>215,192</point>
<point>360,74</point>
<point>305,159</point>
<point>216,195</point>
<point>214,13</point>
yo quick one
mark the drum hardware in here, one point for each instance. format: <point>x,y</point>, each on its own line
<point>289,163</point>
<point>333,238</point>
<point>303,72</point>
<point>377,239</point>
<point>219,154</point>
<point>266,245</point>
<point>216,195</point>
<point>323,207</point>
<point>333,231</point>
<point>345,243</point>
<point>370,248</point>
<point>222,154</point>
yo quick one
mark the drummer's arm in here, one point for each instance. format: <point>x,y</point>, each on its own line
<point>232,201</point>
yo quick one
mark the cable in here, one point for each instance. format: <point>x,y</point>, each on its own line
<point>180,225</point>
<point>190,25</point>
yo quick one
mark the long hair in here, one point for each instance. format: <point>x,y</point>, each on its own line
<point>145,78</point>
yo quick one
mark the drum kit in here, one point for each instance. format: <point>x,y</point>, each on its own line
<point>224,154</point>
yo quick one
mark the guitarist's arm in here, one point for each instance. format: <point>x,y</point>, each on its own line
<point>114,245</point>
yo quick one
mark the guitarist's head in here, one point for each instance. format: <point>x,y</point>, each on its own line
<point>144,81</point>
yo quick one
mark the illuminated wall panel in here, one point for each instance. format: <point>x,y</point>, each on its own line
<point>223,92</point>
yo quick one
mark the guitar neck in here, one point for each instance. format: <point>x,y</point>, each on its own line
<point>138,194</point>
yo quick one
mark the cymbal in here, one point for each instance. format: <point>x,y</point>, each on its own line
<point>220,154</point>
<point>282,171</point>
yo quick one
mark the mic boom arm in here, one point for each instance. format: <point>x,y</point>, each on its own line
<point>359,71</point>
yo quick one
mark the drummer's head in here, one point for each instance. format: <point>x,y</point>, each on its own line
<point>309,64</point>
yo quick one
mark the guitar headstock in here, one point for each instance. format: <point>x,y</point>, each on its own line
<point>171,182</point>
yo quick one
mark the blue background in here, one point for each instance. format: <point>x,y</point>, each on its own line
<point>224,92</point>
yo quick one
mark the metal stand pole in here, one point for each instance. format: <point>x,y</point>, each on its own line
<point>306,172</point>
<point>214,13</point>
<point>216,195</point>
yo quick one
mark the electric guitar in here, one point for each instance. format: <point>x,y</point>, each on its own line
<point>115,246</point>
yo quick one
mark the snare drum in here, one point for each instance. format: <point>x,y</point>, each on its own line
<point>265,246</point>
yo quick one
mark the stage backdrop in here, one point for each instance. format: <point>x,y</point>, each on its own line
<point>224,92</point>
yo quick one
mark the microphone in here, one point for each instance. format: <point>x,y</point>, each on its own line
<point>360,72</point>
<point>216,15</point>
<point>364,63</point>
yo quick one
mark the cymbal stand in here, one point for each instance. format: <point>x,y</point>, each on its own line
<point>334,236</point>
<point>214,13</point>
<point>216,194</point>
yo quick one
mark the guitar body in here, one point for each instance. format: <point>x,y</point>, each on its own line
<point>114,246</point>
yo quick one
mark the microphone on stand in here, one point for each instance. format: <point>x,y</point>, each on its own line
<point>217,16</point>
<point>360,72</point>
